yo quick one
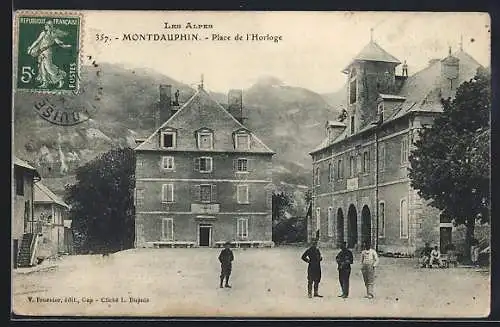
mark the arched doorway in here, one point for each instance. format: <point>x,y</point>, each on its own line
<point>366,224</point>
<point>340,227</point>
<point>352,226</point>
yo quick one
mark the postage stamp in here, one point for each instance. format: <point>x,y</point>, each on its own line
<point>48,53</point>
<point>251,164</point>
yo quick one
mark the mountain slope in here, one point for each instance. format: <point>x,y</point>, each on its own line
<point>288,119</point>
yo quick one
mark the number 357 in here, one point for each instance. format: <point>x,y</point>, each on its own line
<point>27,73</point>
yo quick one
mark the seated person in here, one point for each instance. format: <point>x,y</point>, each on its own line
<point>435,257</point>
<point>426,256</point>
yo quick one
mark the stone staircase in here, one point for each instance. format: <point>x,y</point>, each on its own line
<point>25,256</point>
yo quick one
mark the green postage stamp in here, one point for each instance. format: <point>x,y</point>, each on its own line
<point>48,59</point>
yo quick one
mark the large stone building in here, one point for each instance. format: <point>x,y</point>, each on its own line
<point>202,177</point>
<point>384,113</point>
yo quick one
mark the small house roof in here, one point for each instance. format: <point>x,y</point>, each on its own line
<point>21,163</point>
<point>42,194</point>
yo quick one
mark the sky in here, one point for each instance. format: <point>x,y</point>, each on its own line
<point>314,49</point>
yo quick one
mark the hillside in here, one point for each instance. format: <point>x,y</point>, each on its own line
<point>288,119</point>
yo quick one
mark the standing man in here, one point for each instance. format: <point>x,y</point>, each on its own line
<point>313,257</point>
<point>369,260</point>
<point>344,260</point>
<point>226,258</point>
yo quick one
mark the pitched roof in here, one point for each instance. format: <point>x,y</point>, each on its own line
<point>21,163</point>
<point>374,52</point>
<point>202,111</point>
<point>422,90</point>
<point>42,194</point>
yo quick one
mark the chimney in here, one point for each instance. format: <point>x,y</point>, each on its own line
<point>235,104</point>
<point>165,105</point>
<point>334,129</point>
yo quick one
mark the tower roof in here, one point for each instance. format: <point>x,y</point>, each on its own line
<point>373,52</point>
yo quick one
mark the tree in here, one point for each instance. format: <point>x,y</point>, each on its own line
<point>282,203</point>
<point>102,207</point>
<point>450,165</point>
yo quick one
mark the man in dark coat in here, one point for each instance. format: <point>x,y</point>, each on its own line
<point>344,260</point>
<point>313,257</point>
<point>226,258</point>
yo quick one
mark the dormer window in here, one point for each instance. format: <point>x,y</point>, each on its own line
<point>168,139</point>
<point>205,140</point>
<point>242,141</point>
<point>380,110</point>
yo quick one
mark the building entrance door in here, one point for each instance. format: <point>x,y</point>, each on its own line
<point>444,237</point>
<point>205,235</point>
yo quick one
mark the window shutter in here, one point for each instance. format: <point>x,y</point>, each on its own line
<point>248,194</point>
<point>358,159</point>
<point>235,164</point>
<point>211,164</point>
<point>250,164</point>
<point>196,190</point>
<point>214,193</point>
<point>197,164</point>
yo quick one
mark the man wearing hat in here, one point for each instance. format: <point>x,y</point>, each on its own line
<point>313,257</point>
<point>226,258</point>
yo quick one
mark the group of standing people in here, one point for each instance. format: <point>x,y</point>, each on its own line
<point>344,259</point>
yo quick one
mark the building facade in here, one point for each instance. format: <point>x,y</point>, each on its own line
<point>361,189</point>
<point>23,222</point>
<point>51,211</point>
<point>202,178</point>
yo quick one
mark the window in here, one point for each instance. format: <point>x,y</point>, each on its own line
<point>205,193</point>
<point>352,87</point>
<point>352,166</point>
<point>139,196</point>
<point>330,221</point>
<point>330,172</point>
<point>242,141</point>
<point>167,229</point>
<point>203,164</point>
<point>366,162</point>
<point>242,228</point>
<point>318,219</point>
<point>340,169</point>
<point>168,140</point>
<point>352,124</point>
<point>242,194</point>
<point>380,110</point>
<point>205,140</point>
<point>404,150</point>
<point>381,219</point>
<point>403,213</point>
<point>167,163</point>
<point>19,184</point>
<point>318,176</point>
<point>381,156</point>
<point>167,193</point>
<point>241,165</point>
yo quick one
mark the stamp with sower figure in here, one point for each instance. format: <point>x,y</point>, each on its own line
<point>48,54</point>
<point>48,62</point>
